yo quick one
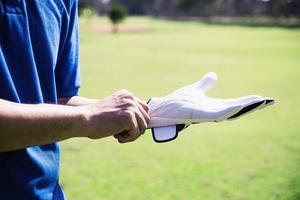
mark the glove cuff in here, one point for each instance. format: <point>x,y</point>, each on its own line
<point>166,133</point>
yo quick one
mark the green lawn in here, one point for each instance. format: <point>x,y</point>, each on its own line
<point>254,158</point>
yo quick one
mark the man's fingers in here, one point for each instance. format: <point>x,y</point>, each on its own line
<point>145,115</point>
<point>132,131</point>
<point>137,127</point>
<point>129,139</point>
<point>121,135</point>
<point>141,115</point>
<point>141,121</point>
<point>136,117</point>
<point>143,104</point>
<point>125,137</point>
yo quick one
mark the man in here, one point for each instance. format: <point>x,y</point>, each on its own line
<point>39,102</point>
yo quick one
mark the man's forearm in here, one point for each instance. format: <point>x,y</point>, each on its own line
<point>24,125</point>
<point>75,101</point>
<point>78,101</point>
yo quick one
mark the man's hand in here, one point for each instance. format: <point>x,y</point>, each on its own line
<point>121,114</point>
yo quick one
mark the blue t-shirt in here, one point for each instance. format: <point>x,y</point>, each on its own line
<point>38,64</point>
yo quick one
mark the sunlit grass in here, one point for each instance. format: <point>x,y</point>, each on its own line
<point>256,157</point>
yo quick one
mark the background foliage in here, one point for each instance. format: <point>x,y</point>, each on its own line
<point>204,8</point>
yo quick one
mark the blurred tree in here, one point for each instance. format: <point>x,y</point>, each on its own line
<point>117,14</point>
<point>134,7</point>
<point>276,4</point>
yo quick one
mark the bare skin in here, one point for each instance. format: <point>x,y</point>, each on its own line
<point>121,115</point>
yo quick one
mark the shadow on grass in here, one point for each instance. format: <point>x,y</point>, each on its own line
<point>289,23</point>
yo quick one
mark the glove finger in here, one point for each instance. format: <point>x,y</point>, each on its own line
<point>206,82</point>
<point>199,87</point>
<point>200,115</point>
<point>225,114</point>
<point>252,106</point>
<point>244,101</point>
<point>247,109</point>
<point>269,102</point>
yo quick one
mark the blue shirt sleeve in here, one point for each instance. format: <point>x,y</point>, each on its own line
<point>67,75</point>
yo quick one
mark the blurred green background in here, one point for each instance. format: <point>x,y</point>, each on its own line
<point>255,157</point>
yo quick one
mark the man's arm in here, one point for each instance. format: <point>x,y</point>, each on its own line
<point>79,101</point>
<point>76,101</point>
<point>24,125</point>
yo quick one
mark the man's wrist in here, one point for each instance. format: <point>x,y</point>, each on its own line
<point>80,122</point>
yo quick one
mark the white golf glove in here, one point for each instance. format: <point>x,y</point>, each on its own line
<point>190,105</point>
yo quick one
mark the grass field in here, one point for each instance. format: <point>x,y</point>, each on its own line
<point>254,158</point>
